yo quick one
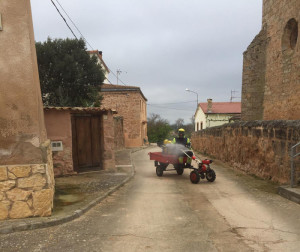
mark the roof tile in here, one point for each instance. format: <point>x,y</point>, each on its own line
<point>223,107</point>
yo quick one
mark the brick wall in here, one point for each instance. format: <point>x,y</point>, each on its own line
<point>119,133</point>
<point>258,147</point>
<point>271,65</point>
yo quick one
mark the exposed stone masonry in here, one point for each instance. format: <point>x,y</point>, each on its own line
<point>130,103</point>
<point>254,69</point>
<point>27,190</point>
<point>258,147</point>
<point>119,133</point>
<point>271,83</point>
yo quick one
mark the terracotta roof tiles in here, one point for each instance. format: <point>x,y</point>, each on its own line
<point>222,107</point>
<point>120,88</point>
<point>81,109</point>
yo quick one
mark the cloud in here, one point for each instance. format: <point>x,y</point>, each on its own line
<point>163,46</point>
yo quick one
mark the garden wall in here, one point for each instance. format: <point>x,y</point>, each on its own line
<point>260,148</point>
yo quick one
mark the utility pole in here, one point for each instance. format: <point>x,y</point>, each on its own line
<point>188,90</point>
<point>118,73</point>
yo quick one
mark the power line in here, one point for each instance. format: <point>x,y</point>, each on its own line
<point>165,107</point>
<point>169,103</point>
<point>74,24</point>
<point>80,34</point>
<point>64,19</point>
<point>86,39</point>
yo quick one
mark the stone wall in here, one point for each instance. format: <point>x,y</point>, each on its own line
<point>258,147</point>
<point>132,107</point>
<point>272,64</point>
<point>27,190</point>
<point>119,133</point>
<point>254,67</point>
<point>108,142</point>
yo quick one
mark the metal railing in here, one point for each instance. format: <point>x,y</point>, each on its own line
<point>293,154</point>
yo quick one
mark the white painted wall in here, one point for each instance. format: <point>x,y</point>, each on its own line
<point>200,117</point>
<point>210,120</point>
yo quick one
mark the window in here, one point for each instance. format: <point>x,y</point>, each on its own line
<point>290,35</point>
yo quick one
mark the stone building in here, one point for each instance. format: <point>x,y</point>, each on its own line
<point>26,169</point>
<point>213,114</point>
<point>271,80</point>
<point>130,103</point>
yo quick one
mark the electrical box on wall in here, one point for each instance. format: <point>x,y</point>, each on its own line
<point>1,23</point>
<point>57,146</point>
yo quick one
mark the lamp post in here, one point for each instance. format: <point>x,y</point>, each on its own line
<point>188,90</point>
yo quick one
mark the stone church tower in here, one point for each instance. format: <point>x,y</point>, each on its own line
<point>271,71</point>
<point>26,168</point>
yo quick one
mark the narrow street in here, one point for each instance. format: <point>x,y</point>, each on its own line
<point>169,213</point>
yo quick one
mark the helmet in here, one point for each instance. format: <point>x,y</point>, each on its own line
<point>181,132</point>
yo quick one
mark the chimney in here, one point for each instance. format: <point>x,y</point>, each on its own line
<point>209,105</point>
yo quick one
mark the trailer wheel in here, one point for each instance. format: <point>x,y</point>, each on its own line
<point>159,171</point>
<point>179,171</point>
<point>211,175</point>
<point>195,177</point>
<point>163,165</point>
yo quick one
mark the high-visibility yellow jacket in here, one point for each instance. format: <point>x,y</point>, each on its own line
<point>183,141</point>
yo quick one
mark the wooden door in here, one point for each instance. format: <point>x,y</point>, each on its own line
<point>86,135</point>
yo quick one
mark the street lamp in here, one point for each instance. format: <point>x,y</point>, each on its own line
<point>188,90</point>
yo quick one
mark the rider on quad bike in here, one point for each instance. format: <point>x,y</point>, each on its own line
<point>184,141</point>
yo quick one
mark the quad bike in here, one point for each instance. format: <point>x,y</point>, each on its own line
<point>203,171</point>
<point>163,159</point>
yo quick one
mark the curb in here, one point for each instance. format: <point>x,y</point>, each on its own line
<point>23,225</point>
<point>289,193</point>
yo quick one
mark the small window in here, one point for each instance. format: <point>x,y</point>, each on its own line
<point>290,35</point>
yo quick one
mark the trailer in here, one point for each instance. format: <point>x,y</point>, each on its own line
<point>162,160</point>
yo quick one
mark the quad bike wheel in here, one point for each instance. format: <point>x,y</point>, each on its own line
<point>179,170</point>
<point>159,171</point>
<point>195,177</point>
<point>211,175</point>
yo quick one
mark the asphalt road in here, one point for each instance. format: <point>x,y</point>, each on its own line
<point>169,213</point>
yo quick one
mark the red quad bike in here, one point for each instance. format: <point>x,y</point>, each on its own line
<point>162,160</point>
<point>203,171</point>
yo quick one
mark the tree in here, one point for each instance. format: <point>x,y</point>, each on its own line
<point>179,123</point>
<point>68,75</point>
<point>158,128</point>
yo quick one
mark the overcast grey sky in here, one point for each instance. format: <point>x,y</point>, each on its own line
<point>163,46</point>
